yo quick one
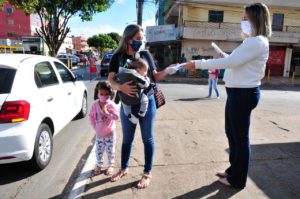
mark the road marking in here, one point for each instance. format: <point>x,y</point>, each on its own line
<point>79,187</point>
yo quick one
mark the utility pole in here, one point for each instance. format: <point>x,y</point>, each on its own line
<point>139,6</point>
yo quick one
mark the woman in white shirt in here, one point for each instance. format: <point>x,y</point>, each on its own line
<point>245,67</point>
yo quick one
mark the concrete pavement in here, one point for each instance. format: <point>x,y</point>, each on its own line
<point>191,147</point>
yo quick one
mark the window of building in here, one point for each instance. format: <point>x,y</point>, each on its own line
<point>10,22</point>
<point>277,23</point>
<point>10,34</point>
<point>9,11</point>
<point>215,16</point>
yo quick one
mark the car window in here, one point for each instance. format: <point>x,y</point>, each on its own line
<point>65,75</point>
<point>7,77</point>
<point>44,74</point>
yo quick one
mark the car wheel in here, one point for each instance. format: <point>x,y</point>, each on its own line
<point>43,147</point>
<point>84,107</point>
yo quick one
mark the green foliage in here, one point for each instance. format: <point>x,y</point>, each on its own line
<point>103,41</point>
<point>115,36</point>
<point>55,14</point>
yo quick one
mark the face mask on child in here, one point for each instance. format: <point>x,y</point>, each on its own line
<point>103,98</point>
<point>246,27</point>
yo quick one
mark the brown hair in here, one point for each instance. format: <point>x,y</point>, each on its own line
<point>128,34</point>
<point>103,85</point>
<point>138,64</point>
<point>259,17</point>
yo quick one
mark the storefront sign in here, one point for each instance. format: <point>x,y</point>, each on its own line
<point>161,33</point>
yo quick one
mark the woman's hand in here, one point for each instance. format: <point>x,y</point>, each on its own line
<point>190,65</point>
<point>170,70</point>
<point>128,89</point>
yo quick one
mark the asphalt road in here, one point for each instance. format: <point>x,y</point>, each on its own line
<point>71,147</point>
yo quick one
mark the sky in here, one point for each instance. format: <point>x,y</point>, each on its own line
<point>115,19</point>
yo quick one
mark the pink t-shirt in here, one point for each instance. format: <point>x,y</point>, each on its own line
<point>104,124</point>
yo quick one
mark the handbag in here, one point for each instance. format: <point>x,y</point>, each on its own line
<point>158,94</point>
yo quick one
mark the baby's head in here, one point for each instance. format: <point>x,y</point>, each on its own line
<point>140,65</point>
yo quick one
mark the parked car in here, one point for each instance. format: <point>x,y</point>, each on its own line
<point>64,58</point>
<point>75,59</point>
<point>38,97</point>
<point>105,63</point>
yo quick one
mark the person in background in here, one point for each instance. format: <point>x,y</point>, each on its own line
<point>213,82</point>
<point>93,67</point>
<point>245,67</point>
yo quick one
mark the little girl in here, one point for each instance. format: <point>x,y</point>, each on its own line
<point>103,116</point>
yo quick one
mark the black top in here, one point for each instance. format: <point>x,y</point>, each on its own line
<point>118,60</point>
<point>115,61</point>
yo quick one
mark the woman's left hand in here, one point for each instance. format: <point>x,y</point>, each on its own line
<point>190,65</point>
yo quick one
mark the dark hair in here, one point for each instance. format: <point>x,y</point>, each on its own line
<point>138,64</point>
<point>103,85</point>
<point>128,34</point>
<point>259,17</point>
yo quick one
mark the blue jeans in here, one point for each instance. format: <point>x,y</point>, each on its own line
<point>147,130</point>
<point>213,83</point>
<point>239,105</point>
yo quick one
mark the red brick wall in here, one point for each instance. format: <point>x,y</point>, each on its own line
<point>20,26</point>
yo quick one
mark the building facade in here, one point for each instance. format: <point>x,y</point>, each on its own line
<point>218,21</point>
<point>80,43</point>
<point>14,27</point>
<point>67,46</point>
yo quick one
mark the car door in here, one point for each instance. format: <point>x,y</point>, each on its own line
<point>50,93</point>
<point>69,89</point>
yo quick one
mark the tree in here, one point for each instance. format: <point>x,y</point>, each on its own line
<point>55,14</point>
<point>102,42</point>
<point>115,36</point>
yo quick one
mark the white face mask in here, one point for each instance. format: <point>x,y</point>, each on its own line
<point>246,27</point>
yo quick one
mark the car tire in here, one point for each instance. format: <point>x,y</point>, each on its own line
<point>84,107</point>
<point>43,147</point>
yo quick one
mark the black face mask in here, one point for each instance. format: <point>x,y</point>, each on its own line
<point>136,44</point>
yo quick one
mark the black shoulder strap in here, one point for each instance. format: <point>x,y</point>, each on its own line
<point>120,57</point>
<point>146,55</point>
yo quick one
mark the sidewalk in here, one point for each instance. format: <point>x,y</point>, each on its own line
<point>274,81</point>
<point>191,147</point>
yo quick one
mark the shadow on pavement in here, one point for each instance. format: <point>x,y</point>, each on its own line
<point>15,171</point>
<point>203,192</point>
<point>194,99</point>
<point>275,169</point>
<point>109,191</point>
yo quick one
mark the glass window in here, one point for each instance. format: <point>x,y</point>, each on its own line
<point>64,73</point>
<point>215,16</point>
<point>277,23</point>
<point>7,77</point>
<point>9,10</point>
<point>44,75</point>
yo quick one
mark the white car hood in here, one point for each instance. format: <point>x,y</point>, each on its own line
<point>3,97</point>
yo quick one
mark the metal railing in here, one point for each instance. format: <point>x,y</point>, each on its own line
<point>227,25</point>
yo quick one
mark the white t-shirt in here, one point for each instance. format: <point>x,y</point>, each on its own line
<point>245,66</point>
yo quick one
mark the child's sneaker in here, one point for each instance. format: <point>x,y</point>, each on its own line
<point>132,118</point>
<point>142,114</point>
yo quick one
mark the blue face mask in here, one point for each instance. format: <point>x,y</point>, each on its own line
<point>136,44</point>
